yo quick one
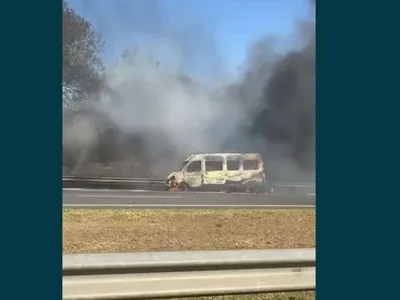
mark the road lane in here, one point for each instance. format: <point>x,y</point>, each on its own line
<point>163,200</point>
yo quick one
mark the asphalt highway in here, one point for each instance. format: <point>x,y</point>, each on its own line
<point>85,198</point>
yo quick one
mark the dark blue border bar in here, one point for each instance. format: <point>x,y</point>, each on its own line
<point>31,120</point>
<point>357,123</point>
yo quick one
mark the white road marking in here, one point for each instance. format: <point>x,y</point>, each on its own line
<point>190,205</point>
<point>130,196</point>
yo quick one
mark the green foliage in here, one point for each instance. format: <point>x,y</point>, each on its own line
<point>82,64</point>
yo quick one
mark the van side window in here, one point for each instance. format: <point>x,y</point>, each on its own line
<point>232,165</point>
<point>250,164</point>
<point>214,165</point>
<point>194,166</point>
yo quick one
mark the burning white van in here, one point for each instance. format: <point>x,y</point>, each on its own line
<point>219,171</point>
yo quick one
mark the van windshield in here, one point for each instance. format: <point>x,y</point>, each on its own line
<point>183,165</point>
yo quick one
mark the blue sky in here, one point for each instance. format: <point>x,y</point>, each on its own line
<point>226,27</point>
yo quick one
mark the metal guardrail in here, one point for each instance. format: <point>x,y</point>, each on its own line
<point>295,184</point>
<point>186,274</point>
<point>112,182</point>
<point>292,188</point>
<point>158,184</point>
<point>103,178</point>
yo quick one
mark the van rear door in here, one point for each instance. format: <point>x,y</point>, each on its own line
<point>254,167</point>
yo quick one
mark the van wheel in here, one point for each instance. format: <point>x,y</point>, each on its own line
<point>183,187</point>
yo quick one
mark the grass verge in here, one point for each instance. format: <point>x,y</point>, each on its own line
<point>166,230</point>
<point>269,296</point>
<point>97,231</point>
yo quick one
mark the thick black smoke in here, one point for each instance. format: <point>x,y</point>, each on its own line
<point>288,116</point>
<point>284,121</point>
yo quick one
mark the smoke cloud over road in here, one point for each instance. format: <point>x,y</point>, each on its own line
<point>153,111</point>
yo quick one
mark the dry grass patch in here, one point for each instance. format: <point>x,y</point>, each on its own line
<point>167,230</point>
<point>270,296</point>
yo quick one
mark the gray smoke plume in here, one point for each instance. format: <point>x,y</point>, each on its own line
<point>151,113</point>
